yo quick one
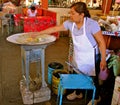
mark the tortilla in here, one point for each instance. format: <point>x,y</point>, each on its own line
<point>32,39</point>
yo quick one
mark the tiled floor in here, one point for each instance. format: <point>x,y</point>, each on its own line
<point>10,73</point>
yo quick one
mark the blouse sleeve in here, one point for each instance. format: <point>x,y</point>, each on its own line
<point>68,25</point>
<point>95,27</point>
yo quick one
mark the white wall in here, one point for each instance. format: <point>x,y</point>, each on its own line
<point>60,12</point>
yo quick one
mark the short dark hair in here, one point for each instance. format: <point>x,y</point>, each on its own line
<point>32,7</point>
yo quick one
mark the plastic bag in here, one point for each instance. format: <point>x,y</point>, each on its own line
<point>103,75</point>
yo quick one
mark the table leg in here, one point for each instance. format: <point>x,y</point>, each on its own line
<point>27,54</point>
<point>43,66</point>
<point>61,95</point>
<point>23,63</point>
<point>93,96</point>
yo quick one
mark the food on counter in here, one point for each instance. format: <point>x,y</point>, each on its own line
<point>105,26</point>
<point>114,27</point>
<point>28,38</point>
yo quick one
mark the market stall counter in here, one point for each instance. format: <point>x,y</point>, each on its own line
<point>112,40</point>
<point>33,50</point>
<point>111,30</point>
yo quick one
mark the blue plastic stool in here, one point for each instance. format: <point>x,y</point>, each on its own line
<point>75,81</point>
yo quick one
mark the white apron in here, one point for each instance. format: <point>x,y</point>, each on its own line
<point>84,53</point>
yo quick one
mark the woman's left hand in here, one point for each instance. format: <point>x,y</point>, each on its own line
<point>103,65</point>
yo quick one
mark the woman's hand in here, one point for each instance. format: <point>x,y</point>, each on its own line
<point>103,65</point>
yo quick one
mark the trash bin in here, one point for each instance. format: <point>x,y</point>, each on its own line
<point>56,80</point>
<point>51,67</point>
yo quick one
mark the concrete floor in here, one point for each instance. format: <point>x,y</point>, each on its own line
<point>10,72</point>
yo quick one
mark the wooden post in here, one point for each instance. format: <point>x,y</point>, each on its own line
<point>44,4</point>
<point>106,5</point>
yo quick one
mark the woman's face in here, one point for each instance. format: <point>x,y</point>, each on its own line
<point>32,11</point>
<point>74,16</point>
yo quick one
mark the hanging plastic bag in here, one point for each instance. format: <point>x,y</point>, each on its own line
<point>103,75</point>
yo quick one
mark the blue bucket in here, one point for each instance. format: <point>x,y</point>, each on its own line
<point>51,67</point>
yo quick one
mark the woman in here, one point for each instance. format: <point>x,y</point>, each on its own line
<point>88,45</point>
<point>32,12</point>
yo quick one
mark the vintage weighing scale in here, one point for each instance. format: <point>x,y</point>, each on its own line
<point>33,48</point>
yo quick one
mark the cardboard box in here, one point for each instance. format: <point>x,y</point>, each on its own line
<point>116,92</point>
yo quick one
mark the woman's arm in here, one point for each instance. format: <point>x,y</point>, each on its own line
<point>102,46</point>
<point>27,13</point>
<point>53,29</point>
<point>36,12</point>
